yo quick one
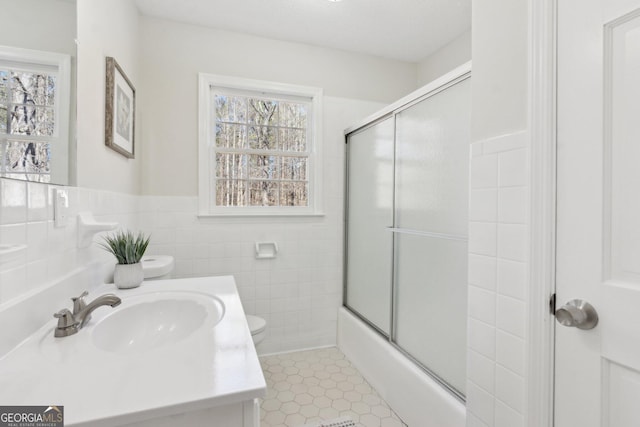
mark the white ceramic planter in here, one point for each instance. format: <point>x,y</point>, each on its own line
<point>127,276</point>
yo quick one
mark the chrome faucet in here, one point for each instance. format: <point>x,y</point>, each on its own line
<point>70,323</point>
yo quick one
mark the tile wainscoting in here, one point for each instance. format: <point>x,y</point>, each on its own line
<point>498,281</point>
<point>298,292</point>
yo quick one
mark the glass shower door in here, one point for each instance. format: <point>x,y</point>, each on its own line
<point>432,158</point>
<point>369,218</point>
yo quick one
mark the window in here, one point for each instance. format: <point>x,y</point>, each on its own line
<point>34,118</point>
<point>259,148</point>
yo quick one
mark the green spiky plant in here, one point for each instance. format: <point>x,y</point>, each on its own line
<point>126,247</point>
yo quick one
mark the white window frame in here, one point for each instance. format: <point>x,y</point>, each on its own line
<point>60,65</point>
<point>206,153</point>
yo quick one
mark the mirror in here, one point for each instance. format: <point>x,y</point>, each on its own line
<point>37,90</point>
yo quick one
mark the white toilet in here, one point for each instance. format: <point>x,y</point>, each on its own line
<point>258,328</point>
<point>159,267</point>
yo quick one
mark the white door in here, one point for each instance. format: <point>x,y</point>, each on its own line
<point>598,224</point>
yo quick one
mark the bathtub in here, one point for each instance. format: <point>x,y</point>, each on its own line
<point>415,397</point>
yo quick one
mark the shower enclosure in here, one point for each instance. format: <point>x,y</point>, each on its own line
<point>406,227</point>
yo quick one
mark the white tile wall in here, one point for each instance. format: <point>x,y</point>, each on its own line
<point>298,292</point>
<point>26,218</point>
<point>498,242</point>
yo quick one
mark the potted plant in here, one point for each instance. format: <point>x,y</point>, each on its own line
<point>128,250</point>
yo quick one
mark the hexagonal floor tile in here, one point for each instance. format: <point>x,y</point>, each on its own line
<point>341,404</point>
<point>304,398</point>
<point>329,413</point>
<point>310,386</point>
<point>334,394</point>
<point>286,396</point>
<point>359,408</point>
<point>290,408</point>
<point>271,405</point>
<point>275,417</point>
<point>322,402</point>
<point>295,420</point>
<point>353,396</point>
<point>370,420</point>
<point>381,411</point>
<point>309,410</point>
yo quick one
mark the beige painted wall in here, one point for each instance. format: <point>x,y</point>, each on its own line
<point>105,28</point>
<point>500,67</point>
<point>450,56</point>
<point>172,55</point>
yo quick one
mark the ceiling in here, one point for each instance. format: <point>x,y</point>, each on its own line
<point>407,30</point>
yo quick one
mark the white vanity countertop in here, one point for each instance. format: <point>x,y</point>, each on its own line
<point>214,366</point>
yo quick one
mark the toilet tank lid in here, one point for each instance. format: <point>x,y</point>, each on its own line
<point>156,265</point>
<point>256,324</point>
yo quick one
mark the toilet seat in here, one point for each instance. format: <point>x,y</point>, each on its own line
<point>256,324</point>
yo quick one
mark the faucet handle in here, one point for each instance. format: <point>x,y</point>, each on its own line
<point>65,318</point>
<point>78,302</point>
<point>67,324</point>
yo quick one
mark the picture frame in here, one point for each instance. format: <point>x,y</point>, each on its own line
<point>120,110</point>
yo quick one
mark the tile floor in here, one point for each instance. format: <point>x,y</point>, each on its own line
<point>306,387</point>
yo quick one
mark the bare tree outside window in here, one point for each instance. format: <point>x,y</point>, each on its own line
<point>27,121</point>
<point>261,151</point>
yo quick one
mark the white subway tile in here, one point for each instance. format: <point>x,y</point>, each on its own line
<point>13,283</point>
<point>37,273</point>
<point>482,305</point>
<point>480,403</point>
<point>13,234</point>
<point>512,278</point>
<point>278,291</point>
<point>482,271</point>
<point>60,263</point>
<point>245,278</point>
<point>482,338</point>
<point>513,168</point>
<point>473,421</point>
<point>37,237</point>
<point>13,201</point>
<point>511,316</point>
<point>510,352</point>
<point>513,205</point>
<point>483,205</point>
<point>262,292</point>
<point>481,370</point>
<point>185,235</point>
<point>183,268</point>
<point>512,241</point>
<point>37,202</point>
<point>262,308</point>
<point>507,417</point>
<point>507,142</point>
<point>483,171</point>
<point>510,388</point>
<point>284,276</point>
<point>161,236</point>
<point>482,238</point>
<point>163,220</point>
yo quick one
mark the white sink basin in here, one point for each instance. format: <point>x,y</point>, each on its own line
<point>149,321</point>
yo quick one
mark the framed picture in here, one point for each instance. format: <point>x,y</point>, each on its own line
<point>120,111</point>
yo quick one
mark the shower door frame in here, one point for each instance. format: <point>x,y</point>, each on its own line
<point>439,85</point>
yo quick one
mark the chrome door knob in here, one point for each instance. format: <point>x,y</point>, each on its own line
<point>577,313</point>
